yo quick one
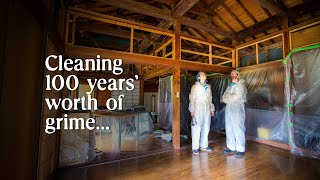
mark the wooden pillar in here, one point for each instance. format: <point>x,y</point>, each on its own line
<point>234,58</point>
<point>66,36</point>
<point>257,54</point>
<point>285,39</point>
<point>73,37</point>
<point>210,54</point>
<point>141,93</point>
<point>176,89</point>
<point>131,39</point>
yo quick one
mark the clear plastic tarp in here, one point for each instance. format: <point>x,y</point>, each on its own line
<point>283,103</point>
<point>165,103</point>
<point>264,106</point>
<point>302,112</point>
<point>124,135</point>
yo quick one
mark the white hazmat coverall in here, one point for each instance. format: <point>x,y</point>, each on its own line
<point>201,105</point>
<point>235,97</point>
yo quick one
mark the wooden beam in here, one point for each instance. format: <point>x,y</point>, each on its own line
<point>166,15</point>
<point>209,27</point>
<point>182,7</point>
<point>107,30</point>
<point>141,8</point>
<point>74,51</point>
<point>233,15</point>
<point>265,24</point>
<point>157,72</point>
<point>279,32</point>
<point>272,6</point>
<point>117,21</point>
<point>145,45</point>
<point>286,46</point>
<point>89,74</point>
<point>272,64</point>
<point>195,66</point>
<point>128,58</point>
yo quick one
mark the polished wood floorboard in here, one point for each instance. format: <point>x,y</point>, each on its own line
<point>260,162</point>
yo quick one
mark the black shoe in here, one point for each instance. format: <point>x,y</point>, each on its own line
<point>228,151</point>
<point>240,155</point>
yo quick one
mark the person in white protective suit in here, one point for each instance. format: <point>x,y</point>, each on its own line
<point>201,109</point>
<point>235,97</point>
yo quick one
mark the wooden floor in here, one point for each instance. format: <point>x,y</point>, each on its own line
<point>260,162</point>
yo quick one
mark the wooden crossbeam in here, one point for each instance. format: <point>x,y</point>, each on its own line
<point>106,30</point>
<point>74,51</point>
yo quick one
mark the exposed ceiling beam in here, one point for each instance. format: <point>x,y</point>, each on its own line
<point>208,27</point>
<point>131,5</point>
<point>233,15</point>
<point>145,44</point>
<point>272,6</point>
<point>138,7</point>
<point>277,20</point>
<point>257,27</point>
<point>182,7</point>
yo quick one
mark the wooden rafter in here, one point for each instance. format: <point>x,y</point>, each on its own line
<point>272,6</point>
<point>164,14</point>
<point>182,7</point>
<point>233,15</point>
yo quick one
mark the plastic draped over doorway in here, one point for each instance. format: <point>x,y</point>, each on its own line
<point>283,103</point>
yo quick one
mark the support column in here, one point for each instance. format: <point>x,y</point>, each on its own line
<point>286,46</point>
<point>176,89</point>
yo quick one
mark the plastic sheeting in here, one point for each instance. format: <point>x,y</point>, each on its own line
<point>302,112</point>
<point>264,106</point>
<point>283,103</point>
<point>165,103</point>
<point>125,134</point>
<point>76,146</point>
